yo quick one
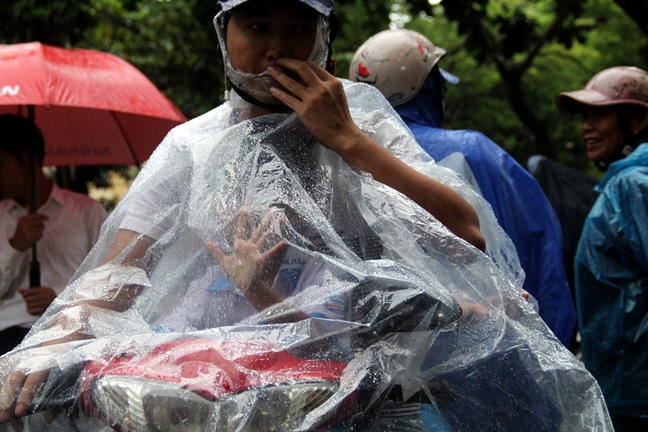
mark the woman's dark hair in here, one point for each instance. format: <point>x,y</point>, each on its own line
<point>334,26</point>
<point>631,137</point>
<point>20,134</point>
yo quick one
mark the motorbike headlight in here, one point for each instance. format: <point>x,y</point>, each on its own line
<point>136,405</point>
<point>275,408</point>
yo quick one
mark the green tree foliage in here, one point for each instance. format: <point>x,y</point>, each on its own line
<point>359,19</point>
<point>59,22</point>
<point>172,41</point>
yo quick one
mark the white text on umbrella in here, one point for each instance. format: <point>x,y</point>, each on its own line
<point>10,91</point>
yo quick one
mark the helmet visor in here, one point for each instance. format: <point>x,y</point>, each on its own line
<point>324,7</point>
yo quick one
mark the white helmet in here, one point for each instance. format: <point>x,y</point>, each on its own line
<point>397,62</point>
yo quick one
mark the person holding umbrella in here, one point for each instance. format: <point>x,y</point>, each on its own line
<point>92,108</point>
<point>65,224</point>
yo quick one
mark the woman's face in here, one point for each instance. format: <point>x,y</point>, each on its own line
<point>602,133</point>
<point>261,32</point>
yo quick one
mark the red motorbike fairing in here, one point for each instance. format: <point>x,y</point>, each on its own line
<point>213,369</point>
<point>216,368</point>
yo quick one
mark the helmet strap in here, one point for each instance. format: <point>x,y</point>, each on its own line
<point>272,107</point>
<point>226,94</point>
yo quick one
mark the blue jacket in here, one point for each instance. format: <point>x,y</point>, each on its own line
<point>520,206</point>
<point>611,275</point>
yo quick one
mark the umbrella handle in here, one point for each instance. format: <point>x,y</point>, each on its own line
<point>34,265</point>
<point>34,274</point>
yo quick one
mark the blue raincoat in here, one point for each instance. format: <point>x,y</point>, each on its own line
<point>518,202</point>
<point>611,271</point>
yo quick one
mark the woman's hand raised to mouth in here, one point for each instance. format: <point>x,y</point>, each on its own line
<point>318,100</point>
<point>321,104</point>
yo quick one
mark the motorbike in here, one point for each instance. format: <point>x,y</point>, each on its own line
<point>205,382</point>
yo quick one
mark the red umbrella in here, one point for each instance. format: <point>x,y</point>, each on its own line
<point>92,107</point>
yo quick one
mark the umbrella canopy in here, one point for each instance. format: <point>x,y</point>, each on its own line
<point>92,107</point>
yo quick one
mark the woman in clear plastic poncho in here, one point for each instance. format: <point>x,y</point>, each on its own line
<point>611,264</point>
<point>262,221</point>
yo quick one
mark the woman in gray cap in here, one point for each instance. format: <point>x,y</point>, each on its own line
<point>611,264</point>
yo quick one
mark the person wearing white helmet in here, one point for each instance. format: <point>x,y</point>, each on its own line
<point>403,65</point>
<point>611,264</point>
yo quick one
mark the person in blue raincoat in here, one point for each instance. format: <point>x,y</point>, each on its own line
<point>611,264</point>
<point>402,64</point>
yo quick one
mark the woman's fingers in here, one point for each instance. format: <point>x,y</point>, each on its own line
<point>242,224</point>
<point>31,386</point>
<point>10,388</point>
<point>290,101</point>
<point>311,75</point>
<point>23,386</point>
<point>276,252</point>
<point>266,225</point>
<point>321,73</point>
<point>287,82</point>
<point>319,101</point>
<point>257,240</point>
<point>303,69</point>
<point>216,252</point>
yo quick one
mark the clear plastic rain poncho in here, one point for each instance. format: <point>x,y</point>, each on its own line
<point>404,326</point>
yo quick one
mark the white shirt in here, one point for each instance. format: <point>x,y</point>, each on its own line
<point>70,232</point>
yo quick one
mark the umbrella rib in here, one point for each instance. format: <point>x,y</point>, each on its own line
<point>128,144</point>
